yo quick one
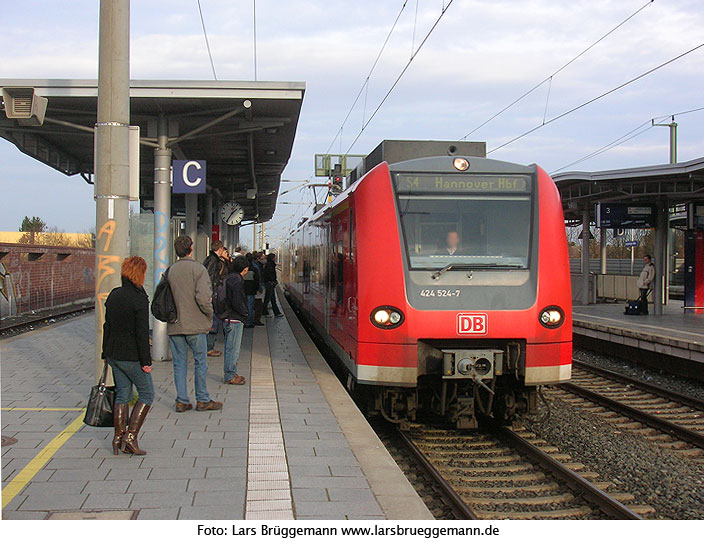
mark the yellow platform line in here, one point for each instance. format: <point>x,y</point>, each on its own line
<point>42,409</point>
<point>35,465</point>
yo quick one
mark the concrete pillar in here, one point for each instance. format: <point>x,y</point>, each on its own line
<point>602,250</point>
<point>236,235</point>
<point>162,229</point>
<point>192,218</point>
<point>661,225</point>
<point>585,257</point>
<point>112,157</point>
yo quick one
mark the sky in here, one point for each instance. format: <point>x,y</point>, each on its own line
<point>480,57</point>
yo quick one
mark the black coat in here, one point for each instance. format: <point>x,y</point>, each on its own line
<point>126,328</point>
<point>216,267</point>
<point>234,287</point>
<point>252,281</point>
<point>269,271</point>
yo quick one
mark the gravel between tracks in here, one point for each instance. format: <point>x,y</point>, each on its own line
<point>671,484</point>
<point>688,387</point>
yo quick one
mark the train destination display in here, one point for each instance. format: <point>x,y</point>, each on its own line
<point>475,183</point>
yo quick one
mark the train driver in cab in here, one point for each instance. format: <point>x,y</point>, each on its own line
<point>451,246</point>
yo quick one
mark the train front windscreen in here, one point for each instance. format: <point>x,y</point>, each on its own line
<point>472,220</point>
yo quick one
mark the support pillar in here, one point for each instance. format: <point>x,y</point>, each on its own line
<point>208,217</point>
<point>602,250</point>
<point>192,219</point>
<point>585,257</point>
<point>111,157</point>
<point>162,229</point>
<point>661,227</point>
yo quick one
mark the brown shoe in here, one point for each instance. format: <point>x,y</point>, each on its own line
<point>181,407</point>
<point>214,353</point>
<point>237,380</point>
<point>212,405</point>
<point>129,440</point>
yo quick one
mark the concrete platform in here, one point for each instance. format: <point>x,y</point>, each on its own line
<point>288,445</point>
<point>674,334</point>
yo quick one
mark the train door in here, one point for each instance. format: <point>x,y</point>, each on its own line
<point>339,284</point>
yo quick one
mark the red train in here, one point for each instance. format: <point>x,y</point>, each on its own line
<point>443,286</point>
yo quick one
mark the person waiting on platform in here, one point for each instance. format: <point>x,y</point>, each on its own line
<point>216,263</point>
<point>270,283</point>
<point>233,324</point>
<point>645,282</point>
<point>126,350</point>
<point>193,293</point>
<point>252,285</point>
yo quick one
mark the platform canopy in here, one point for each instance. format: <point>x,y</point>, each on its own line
<point>244,131</point>
<point>674,183</point>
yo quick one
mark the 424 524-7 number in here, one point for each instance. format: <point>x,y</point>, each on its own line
<point>440,293</point>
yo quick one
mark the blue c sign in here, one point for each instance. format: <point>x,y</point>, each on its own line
<point>189,176</point>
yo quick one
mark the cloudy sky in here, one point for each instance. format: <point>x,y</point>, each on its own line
<point>481,56</point>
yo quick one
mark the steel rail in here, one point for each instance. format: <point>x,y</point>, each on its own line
<point>606,503</point>
<point>663,425</point>
<point>36,320</point>
<point>642,385</point>
<point>450,496</point>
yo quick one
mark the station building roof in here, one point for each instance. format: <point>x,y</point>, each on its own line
<point>676,183</point>
<point>245,148</point>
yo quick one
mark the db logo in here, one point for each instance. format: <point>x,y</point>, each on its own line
<point>472,324</point>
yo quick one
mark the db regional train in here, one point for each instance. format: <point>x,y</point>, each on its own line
<point>442,284</point>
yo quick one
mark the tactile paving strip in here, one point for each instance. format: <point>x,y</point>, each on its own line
<point>268,480</point>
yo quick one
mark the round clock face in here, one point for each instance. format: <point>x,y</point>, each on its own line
<point>232,213</point>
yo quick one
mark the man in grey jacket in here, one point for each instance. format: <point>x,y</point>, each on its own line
<point>192,292</point>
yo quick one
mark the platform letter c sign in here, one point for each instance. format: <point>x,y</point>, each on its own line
<point>189,176</point>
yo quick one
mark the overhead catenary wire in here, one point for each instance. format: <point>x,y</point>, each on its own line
<point>639,130</point>
<point>365,84</point>
<point>563,67</point>
<point>207,43</point>
<point>398,79</point>
<point>599,97</point>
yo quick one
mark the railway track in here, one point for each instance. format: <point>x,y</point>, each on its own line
<point>13,327</point>
<point>670,419</point>
<point>511,474</point>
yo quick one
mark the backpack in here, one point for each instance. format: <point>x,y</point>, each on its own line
<point>163,304</point>
<point>221,307</point>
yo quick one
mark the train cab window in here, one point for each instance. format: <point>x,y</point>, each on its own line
<point>458,224</point>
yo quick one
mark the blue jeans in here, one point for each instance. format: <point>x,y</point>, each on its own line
<point>233,342</point>
<point>213,332</point>
<point>127,373</point>
<point>250,307</point>
<point>179,349</point>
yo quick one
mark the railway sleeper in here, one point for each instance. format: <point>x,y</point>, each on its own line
<point>561,513</point>
<point>562,498</point>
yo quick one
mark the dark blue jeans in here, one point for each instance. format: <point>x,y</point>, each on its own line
<point>128,373</point>
<point>213,332</point>
<point>179,350</point>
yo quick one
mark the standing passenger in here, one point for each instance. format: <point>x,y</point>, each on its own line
<point>192,291</point>
<point>216,266</point>
<point>645,282</point>
<point>233,325</point>
<point>251,287</point>
<point>126,350</point>
<point>270,283</point>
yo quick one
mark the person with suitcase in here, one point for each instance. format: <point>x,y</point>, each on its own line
<point>645,282</point>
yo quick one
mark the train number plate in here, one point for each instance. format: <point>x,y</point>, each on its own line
<point>472,324</point>
<point>434,293</point>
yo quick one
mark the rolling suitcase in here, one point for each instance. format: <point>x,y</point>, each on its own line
<point>633,307</point>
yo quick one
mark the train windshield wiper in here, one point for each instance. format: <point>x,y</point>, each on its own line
<point>484,265</point>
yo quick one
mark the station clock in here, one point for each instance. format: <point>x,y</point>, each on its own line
<point>232,213</point>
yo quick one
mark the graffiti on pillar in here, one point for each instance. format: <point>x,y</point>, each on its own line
<point>161,255</point>
<point>104,267</point>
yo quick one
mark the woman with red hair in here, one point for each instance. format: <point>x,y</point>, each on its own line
<point>126,349</point>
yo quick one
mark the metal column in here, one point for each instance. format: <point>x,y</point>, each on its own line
<point>208,216</point>
<point>602,250</point>
<point>112,157</point>
<point>162,229</point>
<point>660,258</point>
<point>192,219</point>
<point>585,257</point>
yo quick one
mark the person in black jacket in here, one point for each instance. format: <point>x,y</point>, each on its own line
<point>270,286</point>
<point>252,284</point>
<point>217,265</point>
<point>126,350</point>
<point>233,325</point>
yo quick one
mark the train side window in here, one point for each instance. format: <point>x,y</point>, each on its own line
<point>340,266</point>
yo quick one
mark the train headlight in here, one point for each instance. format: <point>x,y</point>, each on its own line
<point>386,317</point>
<point>460,163</point>
<point>551,317</point>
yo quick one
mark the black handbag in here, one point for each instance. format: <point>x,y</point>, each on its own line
<point>102,398</point>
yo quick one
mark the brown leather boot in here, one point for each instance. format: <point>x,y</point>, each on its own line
<point>119,415</point>
<point>129,440</point>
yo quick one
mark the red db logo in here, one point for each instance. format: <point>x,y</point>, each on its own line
<point>472,324</point>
